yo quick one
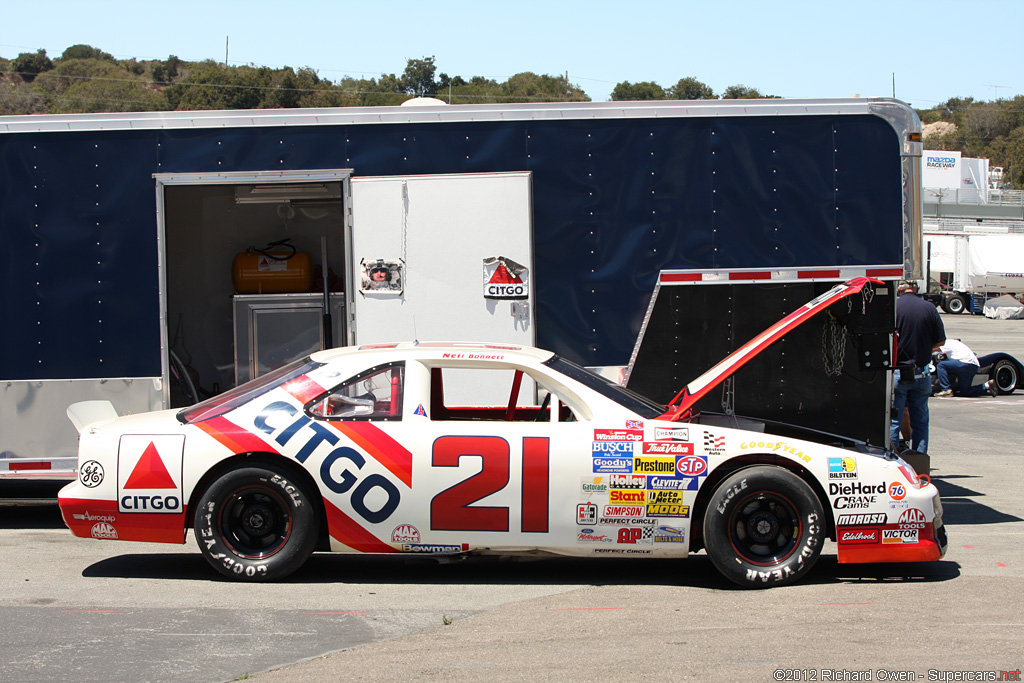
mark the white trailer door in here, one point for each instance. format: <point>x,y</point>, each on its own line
<point>441,228</point>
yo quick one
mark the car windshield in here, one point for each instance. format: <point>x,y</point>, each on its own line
<point>642,406</point>
<point>229,400</point>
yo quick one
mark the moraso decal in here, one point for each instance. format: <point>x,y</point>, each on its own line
<point>149,474</point>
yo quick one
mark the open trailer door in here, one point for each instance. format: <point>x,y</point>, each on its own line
<point>442,257</point>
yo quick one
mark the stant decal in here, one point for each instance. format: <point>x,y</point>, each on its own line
<point>149,474</point>
<point>624,497</point>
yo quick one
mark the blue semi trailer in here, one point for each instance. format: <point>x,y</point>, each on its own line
<point>649,239</point>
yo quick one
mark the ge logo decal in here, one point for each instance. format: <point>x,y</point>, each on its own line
<point>91,474</point>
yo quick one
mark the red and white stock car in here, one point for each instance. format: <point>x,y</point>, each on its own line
<point>397,448</point>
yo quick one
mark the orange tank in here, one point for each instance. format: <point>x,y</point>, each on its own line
<point>256,273</point>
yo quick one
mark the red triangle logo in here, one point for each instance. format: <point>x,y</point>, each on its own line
<point>150,472</point>
<point>503,277</point>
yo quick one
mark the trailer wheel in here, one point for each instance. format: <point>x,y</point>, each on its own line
<point>954,304</point>
<point>1004,373</point>
<point>764,527</point>
<point>256,524</point>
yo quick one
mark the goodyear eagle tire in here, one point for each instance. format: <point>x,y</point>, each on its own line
<point>1004,373</point>
<point>256,524</point>
<point>763,527</point>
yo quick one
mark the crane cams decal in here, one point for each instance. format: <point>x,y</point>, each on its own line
<point>149,474</point>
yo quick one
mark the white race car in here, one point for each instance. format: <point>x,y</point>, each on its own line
<point>453,448</point>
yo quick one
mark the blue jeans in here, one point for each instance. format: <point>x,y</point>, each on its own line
<point>913,397</point>
<point>964,373</point>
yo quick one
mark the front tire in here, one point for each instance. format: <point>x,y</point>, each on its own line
<point>256,524</point>
<point>764,527</point>
<point>1004,373</point>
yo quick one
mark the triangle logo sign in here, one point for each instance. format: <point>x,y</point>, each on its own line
<point>503,277</point>
<point>150,472</point>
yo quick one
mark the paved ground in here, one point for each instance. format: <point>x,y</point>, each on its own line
<point>73,609</point>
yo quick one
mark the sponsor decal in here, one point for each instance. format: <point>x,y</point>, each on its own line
<point>149,474</point>
<point>857,520</point>
<point>692,465</point>
<point>854,502</point>
<point>420,410</point>
<point>668,510</point>
<point>669,534</point>
<point>89,517</point>
<point>626,521</point>
<point>505,279</point>
<point>672,483</point>
<point>405,533</point>
<point>897,491</point>
<point>911,519</point>
<point>589,536</point>
<point>667,448</point>
<point>657,497</point>
<point>90,474</point>
<point>586,514</point>
<point>623,497</point>
<point>654,465</point>
<point>854,489</point>
<point>622,551</point>
<point>899,535</point>
<point>775,447</point>
<point>842,468</point>
<point>940,162</point>
<point>624,510</point>
<point>436,549</point>
<point>634,424</point>
<point>613,465</point>
<point>636,534</point>
<point>612,448</point>
<point>627,481</point>
<point>713,445</point>
<point>672,434</point>
<point>858,536</point>
<point>593,485</point>
<point>625,435</point>
<point>103,530</point>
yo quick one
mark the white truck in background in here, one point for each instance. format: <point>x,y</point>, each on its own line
<point>972,267</point>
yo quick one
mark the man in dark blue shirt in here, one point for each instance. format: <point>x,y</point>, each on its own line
<point>920,332</point>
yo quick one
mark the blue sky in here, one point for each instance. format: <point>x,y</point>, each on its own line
<point>791,48</point>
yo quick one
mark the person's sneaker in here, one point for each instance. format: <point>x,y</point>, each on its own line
<point>992,388</point>
<point>945,394</point>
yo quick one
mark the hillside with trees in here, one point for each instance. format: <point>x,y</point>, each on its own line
<point>87,79</point>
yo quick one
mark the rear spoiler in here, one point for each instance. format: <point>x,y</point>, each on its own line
<point>698,388</point>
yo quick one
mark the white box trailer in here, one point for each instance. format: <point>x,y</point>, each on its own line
<point>971,267</point>
<point>120,231</point>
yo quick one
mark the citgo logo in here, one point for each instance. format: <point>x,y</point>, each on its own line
<point>897,491</point>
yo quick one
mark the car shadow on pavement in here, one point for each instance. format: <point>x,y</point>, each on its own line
<point>694,572</point>
<point>959,505</point>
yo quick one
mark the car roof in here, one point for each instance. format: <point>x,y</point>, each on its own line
<point>454,350</point>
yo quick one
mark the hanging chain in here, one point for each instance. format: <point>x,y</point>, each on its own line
<point>833,345</point>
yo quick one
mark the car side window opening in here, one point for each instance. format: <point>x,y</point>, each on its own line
<point>494,394</point>
<point>375,394</point>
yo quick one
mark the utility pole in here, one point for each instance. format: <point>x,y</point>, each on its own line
<point>227,40</point>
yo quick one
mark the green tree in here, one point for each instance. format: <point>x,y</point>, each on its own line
<point>93,85</point>
<point>30,64</point>
<point>690,89</point>
<point>742,92</point>
<point>418,78</point>
<point>646,90</point>
<point>86,52</point>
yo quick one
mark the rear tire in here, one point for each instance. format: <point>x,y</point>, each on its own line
<point>256,524</point>
<point>955,304</point>
<point>1005,375</point>
<point>764,527</point>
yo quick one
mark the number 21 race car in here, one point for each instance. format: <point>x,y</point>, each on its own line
<point>455,448</point>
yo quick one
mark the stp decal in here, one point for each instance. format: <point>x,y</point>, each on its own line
<point>149,474</point>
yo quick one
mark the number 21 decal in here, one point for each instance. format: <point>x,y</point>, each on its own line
<point>453,509</point>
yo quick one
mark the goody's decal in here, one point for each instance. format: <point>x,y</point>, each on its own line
<point>613,465</point>
<point>149,474</point>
